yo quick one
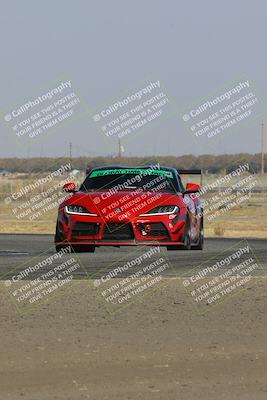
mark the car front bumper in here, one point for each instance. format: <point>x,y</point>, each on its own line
<point>147,230</point>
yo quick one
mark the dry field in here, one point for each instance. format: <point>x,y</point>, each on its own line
<point>71,348</point>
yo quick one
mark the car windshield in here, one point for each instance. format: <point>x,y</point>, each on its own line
<point>130,179</point>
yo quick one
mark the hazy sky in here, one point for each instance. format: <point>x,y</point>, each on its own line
<point>114,48</point>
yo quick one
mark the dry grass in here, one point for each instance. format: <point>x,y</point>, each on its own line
<point>219,230</point>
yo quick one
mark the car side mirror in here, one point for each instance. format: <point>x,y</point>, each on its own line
<point>192,188</point>
<point>69,187</point>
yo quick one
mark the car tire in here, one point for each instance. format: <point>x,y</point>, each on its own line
<point>200,244</point>
<point>83,249</point>
<point>186,240</point>
<point>174,247</point>
<point>58,236</point>
<point>60,247</point>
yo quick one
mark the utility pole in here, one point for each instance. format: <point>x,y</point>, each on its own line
<point>70,149</point>
<point>120,149</point>
<point>262,147</point>
<point>119,153</point>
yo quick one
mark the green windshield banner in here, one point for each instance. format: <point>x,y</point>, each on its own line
<point>125,171</point>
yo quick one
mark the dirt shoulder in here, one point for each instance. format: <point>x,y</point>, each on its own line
<point>157,348</point>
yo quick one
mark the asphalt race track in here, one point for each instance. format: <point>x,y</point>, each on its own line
<point>17,251</point>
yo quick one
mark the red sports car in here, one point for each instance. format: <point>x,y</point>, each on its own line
<point>129,206</point>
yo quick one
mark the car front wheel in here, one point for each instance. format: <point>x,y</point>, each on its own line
<point>200,244</point>
<point>186,240</point>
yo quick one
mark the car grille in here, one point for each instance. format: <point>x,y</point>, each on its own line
<point>118,231</point>
<point>85,229</point>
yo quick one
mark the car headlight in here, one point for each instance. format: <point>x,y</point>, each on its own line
<point>78,210</point>
<point>163,210</point>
